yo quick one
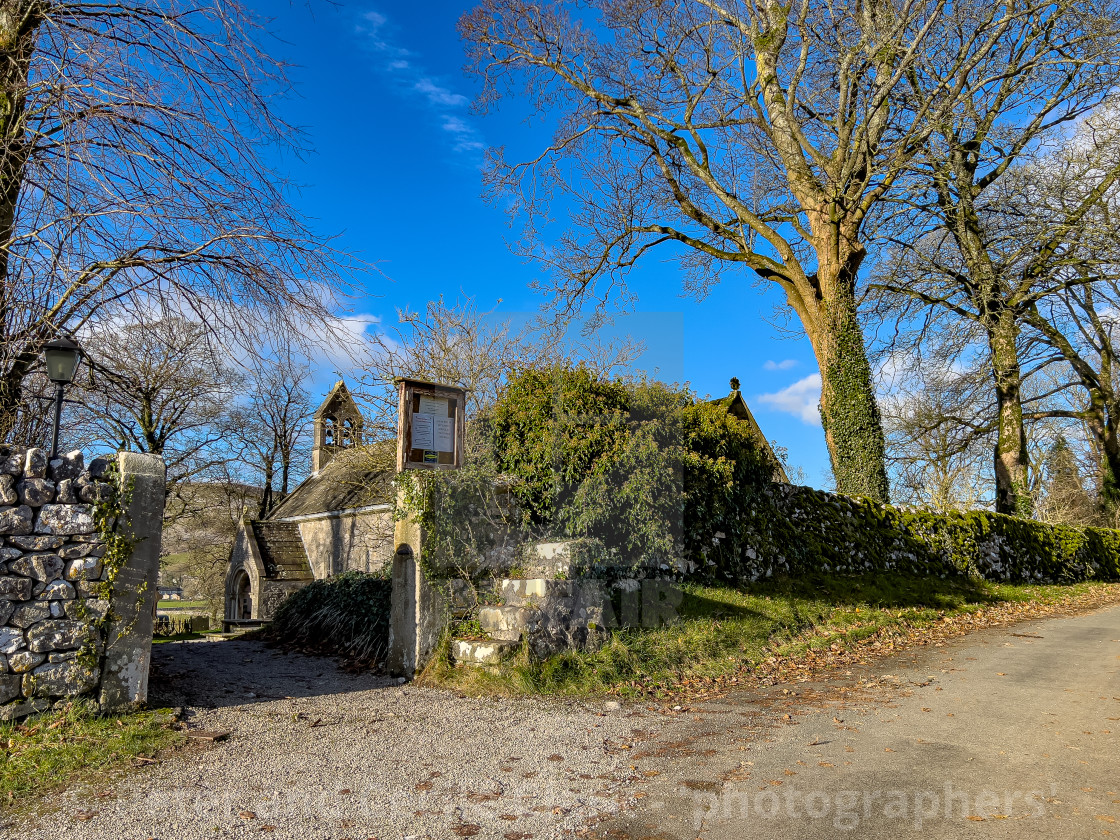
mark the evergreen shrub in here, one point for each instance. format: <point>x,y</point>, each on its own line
<point>346,615</point>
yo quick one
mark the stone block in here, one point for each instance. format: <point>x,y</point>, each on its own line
<point>3,664</point>
<point>67,493</point>
<point>25,660</point>
<point>62,656</point>
<point>58,609</point>
<point>68,466</point>
<point>504,623</point>
<point>12,463</point>
<point>8,553</point>
<point>11,640</point>
<point>9,688</point>
<point>85,568</point>
<point>6,610</point>
<point>15,588</point>
<point>15,520</point>
<point>8,493</point>
<point>94,492</point>
<point>58,590</point>
<point>44,567</point>
<point>60,679</point>
<point>37,542</point>
<point>35,464</point>
<point>15,711</point>
<point>660,603</point>
<point>89,609</point>
<point>62,520</point>
<point>73,552</point>
<point>57,635</point>
<point>35,492</point>
<point>521,592</point>
<point>481,653</point>
<point>99,469</point>
<point>32,612</point>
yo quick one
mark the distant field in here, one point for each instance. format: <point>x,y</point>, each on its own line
<point>169,605</point>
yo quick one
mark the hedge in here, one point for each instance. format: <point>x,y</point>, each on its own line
<point>793,530</point>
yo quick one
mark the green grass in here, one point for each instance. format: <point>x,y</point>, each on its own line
<point>170,605</point>
<point>47,752</point>
<point>726,631</point>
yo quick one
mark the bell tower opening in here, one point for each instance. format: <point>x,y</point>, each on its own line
<point>338,426</point>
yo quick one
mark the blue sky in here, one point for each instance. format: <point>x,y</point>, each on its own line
<point>383,100</point>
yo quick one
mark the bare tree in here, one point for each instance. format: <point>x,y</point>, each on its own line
<point>462,345</point>
<point>969,255</point>
<point>159,387</point>
<point>272,425</point>
<point>131,177</point>
<point>937,419</point>
<point>755,135</point>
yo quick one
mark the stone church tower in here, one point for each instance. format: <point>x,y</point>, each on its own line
<point>338,425</point>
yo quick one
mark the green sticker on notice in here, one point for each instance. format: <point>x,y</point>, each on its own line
<point>431,456</point>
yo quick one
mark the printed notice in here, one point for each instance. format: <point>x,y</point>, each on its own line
<point>423,431</point>
<point>433,406</point>
<point>444,434</point>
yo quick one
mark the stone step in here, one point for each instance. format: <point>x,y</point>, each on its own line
<point>504,623</point>
<point>521,592</point>
<point>488,652</point>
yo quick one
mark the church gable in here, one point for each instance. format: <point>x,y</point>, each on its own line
<point>337,426</point>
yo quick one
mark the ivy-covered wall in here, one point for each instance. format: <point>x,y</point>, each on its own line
<point>792,530</point>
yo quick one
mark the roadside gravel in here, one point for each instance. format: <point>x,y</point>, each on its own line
<point>319,753</point>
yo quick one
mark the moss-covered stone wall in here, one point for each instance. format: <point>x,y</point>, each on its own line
<point>792,530</point>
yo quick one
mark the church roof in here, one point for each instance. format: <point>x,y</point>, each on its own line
<point>357,477</point>
<point>282,550</point>
<point>737,407</point>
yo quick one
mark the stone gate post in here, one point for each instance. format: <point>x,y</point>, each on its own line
<point>128,646</point>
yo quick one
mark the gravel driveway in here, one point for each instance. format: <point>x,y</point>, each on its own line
<point>319,753</point>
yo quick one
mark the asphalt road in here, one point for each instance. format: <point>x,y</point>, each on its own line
<point>1010,732</point>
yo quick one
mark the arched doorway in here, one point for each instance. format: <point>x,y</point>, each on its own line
<point>243,597</point>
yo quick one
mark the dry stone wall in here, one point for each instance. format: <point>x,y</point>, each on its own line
<point>53,612</point>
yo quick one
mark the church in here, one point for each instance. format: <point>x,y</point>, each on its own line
<point>339,519</point>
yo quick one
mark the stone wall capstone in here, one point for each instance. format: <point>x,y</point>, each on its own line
<point>53,635</point>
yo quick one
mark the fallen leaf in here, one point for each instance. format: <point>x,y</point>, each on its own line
<point>86,815</point>
<point>976,819</point>
<point>556,757</point>
<point>247,815</point>
<point>466,829</point>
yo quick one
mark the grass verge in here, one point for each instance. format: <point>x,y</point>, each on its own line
<point>47,752</point>
<point>766,631</point>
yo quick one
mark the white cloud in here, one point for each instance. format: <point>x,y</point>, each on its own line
<point>436,94</point>
<point>409,74</point>
<point>784,364</point>
<point>799,399</point>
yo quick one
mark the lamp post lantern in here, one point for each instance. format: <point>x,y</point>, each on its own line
<point>61,357</point>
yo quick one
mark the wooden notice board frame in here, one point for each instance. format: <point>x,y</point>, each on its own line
<point>410,392</point>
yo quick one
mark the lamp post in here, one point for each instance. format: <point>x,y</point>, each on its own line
<point>61,356</point>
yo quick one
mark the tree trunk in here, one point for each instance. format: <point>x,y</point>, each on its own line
<point>849,412</point>
<point>1011,459</point>
<point>267,497</point>
<point>19,24</point>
